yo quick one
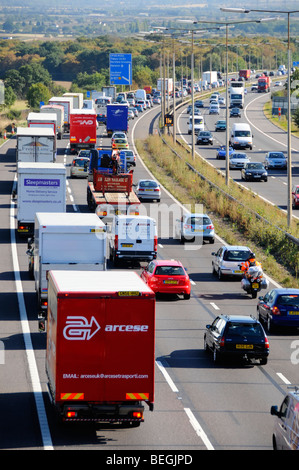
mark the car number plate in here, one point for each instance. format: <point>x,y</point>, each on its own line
<point>197,230</point>
<point>148,189</point>
<point>255,285</point>
<point>127,245</point>
<point>238,271</point>
<point>170,282</point>
<point>291,312</point>
<point>244,346</point>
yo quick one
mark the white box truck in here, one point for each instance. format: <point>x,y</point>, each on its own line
<point>168,85</point>
<point>59,111</point>
<point>68,104</point>
<point>70,241</point>
<point>41,187</point>
<point>42,120</point>
<point>77,99</point>
<point>132,238</point>
<point>35,144</point>
<point>209,76</point>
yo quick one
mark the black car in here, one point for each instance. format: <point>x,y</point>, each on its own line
<point>235,112</point>
<point>236,336</point>
<point>254,171</point>
<point>204,137</point>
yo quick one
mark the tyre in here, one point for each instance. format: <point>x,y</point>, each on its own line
<point>254,294</point>
<point>212,240</point>
<point>186,296</point>
<point>216,356</point>
<point>220,275</point>
<point>263,361</point>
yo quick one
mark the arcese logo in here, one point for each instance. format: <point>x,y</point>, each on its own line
<point>81,329</point>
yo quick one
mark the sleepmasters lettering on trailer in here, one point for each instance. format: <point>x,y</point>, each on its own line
<point>41,182</point>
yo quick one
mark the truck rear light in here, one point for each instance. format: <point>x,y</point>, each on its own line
<point>137,414</point>
<point>71,414</point>
<point>155,243</point>
<point>116,242</point>
<point>44,303</point>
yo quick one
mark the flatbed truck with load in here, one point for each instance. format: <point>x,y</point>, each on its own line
<point>100,353</point>
<point>110,186</point>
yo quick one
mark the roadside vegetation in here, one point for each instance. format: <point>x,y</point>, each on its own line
<point>234,220</point>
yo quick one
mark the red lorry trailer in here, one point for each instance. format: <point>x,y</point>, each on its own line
<point>83,129</point>
<point>245,73</point>
<point>100,354</point>
<point>110,194</point>
<point>263,84</point>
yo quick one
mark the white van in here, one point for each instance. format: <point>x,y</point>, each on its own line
<point>198,124</point>
<point>132,238</point>
<point>241,136</point>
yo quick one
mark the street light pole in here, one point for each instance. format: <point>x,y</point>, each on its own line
<point>289,150</point>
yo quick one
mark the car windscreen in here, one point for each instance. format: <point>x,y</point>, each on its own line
<point>169,271</point>
<point>254,166</point>
<point>238,331</point>
<point>238,155</point>
<point>242,134</point>
<point>276,155</point>
<point>235,255</point>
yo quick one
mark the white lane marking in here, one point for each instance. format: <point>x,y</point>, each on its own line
<point>198,429</point>
<point>35,381</point>
<point>282,377</point>
<point>214,306</point>
<point>161,246</point>
<point>192,282</point>
<point>167,377</point>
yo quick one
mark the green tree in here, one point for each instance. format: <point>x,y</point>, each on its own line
<point>35,73</point>
<point>9,97</point>
<point>37,92</point>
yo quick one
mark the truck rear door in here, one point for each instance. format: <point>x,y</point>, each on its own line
<point>136,235</point>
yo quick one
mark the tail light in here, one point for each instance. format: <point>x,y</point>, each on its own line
<point>275,311</point>
<point>222,341</point>
<point>155,243</point>
<point>266,343</point>
<point>210,227</point>
<point>137,414</point>
<point>156,189</point>
<point>116,242</point>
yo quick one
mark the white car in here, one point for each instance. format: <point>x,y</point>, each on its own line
<point>214,109</point>
<point>221,100</point>
<point>130,156</point>
<point>148,189</point>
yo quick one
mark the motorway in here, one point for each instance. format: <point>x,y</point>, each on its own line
<point>198,405</point>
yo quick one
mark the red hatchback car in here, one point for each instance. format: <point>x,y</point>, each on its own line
<point>295,197</point>
<point>167,277</point>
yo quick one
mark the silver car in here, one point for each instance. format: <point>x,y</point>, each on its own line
<point>238,160</point>
<point>148,189</point>
<point>79,167</point>
<point>227,260</point>
<point>286,429</point>
<point>130,156</point>
<point>275,160</point>
<point>195,226</point>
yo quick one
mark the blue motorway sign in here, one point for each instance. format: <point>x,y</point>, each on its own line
<point>120,69</point>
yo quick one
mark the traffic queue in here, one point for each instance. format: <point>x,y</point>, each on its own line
<point>72,257</point>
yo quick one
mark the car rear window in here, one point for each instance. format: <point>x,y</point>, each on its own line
<point>198,221</point>
<point>80,162</point>
<point>243,330</point>
<point>235,255</point>
<point>147,184</point>
<point>169,271</point>
<point>290,299</point>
